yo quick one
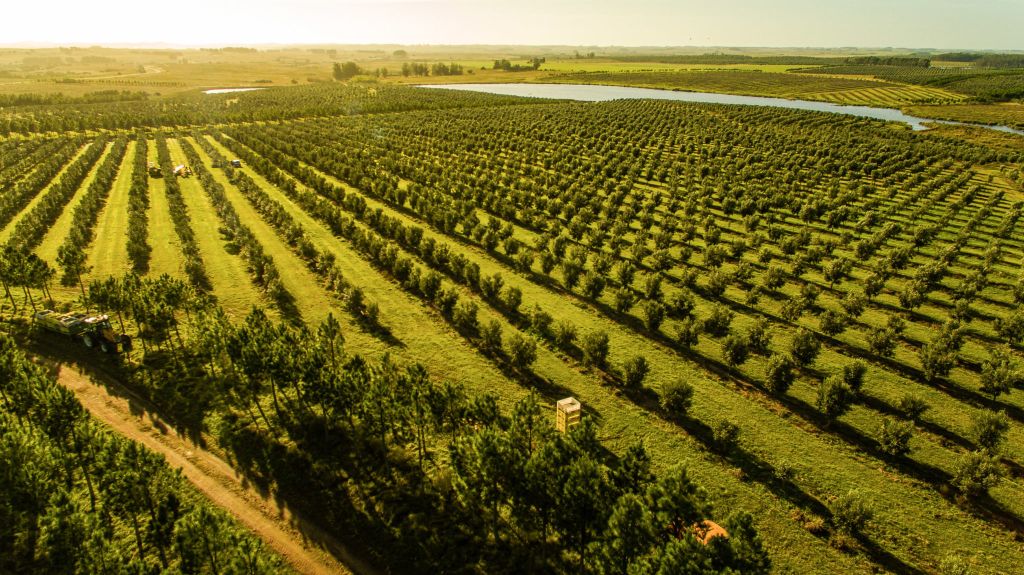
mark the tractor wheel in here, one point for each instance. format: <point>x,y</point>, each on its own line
<point>88,340</point>
<point>105,346</point>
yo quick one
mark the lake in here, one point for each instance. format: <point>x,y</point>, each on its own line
<point>600,93</point>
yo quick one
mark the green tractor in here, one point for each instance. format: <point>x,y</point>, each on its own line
<point>94,331</point>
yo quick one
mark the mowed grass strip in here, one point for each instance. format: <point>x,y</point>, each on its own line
<point>231,282</point>
<point>827,465</point>
<point>5,233</point>
<point>59,231</point>
<point>624,423</point>
<point>166,257</point>
<point>108,255</point>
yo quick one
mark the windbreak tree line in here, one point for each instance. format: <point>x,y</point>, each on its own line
<point>77,498</point>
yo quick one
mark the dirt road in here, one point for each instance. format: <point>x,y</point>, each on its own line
<point>281,530</point>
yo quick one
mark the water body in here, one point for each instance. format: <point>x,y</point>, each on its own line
<point>229,90</point>
<point>599,93</point>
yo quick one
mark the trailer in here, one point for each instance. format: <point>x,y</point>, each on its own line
<point>154,170</point>
<point>91,330</point>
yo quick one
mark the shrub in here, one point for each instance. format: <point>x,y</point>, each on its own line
<point>565,334</point>
<point>779,373</point>
<point>912,406</point>
<point>725,435</point>
<point>490,336</point>
<point>522,352</point>
<point>717,324</point>
<point>595,349</point>
<point>759,338</point>
<point>624,300</point>
<point>634,371</point>
<point>512,298</point>
<point>654,314</point>
<point>894,436</point>
<point>735,349</point>
<point>804,347</point>
<point>834,397</point>
<point>975,473</point>
<point>851,512</point>
<point>988,430</point>
<point>853,375</point>
<point>676,397</point>
<point>688,333</point>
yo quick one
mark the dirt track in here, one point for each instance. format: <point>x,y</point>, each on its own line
<point>280,529</point>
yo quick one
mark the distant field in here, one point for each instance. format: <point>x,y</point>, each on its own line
<point>842,90</point>
<point>1007,114</point>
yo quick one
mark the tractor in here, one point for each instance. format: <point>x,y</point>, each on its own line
<point>92,330</point>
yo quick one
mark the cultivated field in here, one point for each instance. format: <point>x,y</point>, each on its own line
<point>846,308</point>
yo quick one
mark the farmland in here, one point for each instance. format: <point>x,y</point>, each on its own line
<point>373,316</point>
<point>840,90</point>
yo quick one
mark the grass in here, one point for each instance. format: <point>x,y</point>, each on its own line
<point>108,255</point>
<point>58,232</point>
<point>229,278</point>
<point>166,257</point>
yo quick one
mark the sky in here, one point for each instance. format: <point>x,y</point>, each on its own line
<point>943,24</point>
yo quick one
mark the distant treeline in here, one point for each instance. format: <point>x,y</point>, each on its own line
<point>8,100</point>
<point>890,61</point>
<point>437,69</point>
<point>984,60</point>
<point>722,59</point>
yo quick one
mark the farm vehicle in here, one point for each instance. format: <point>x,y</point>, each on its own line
<point>92,330</point>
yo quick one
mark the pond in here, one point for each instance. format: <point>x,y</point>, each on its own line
<point>600,93</point>
<point>229,90</point>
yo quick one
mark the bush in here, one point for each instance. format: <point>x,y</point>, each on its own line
<point>717,324</point>
<point>912,406</point>
<point>804,347</point>
<point>688,333</point>
<point>595,348</point>
<point>654,314</point>
<point>725,435</point>
<point>894,436</point>
<point>522,352</point>
<point>634,371</point>
<point>512,298</point>
<point>676,397</point>
<point>853,375</point>
<point>834,397</point>
<point>565,334</point>
<point>759,338</point>
<point>850,513</point>
<point>779,373</point>
<point>735,350</point>
<point>464,316</point>
<point>975,473</point>
<point>988,430</point>
<point>490,336</point>
<point>624,300</point>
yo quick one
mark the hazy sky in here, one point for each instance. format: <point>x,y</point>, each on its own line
<point>996,24</point>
